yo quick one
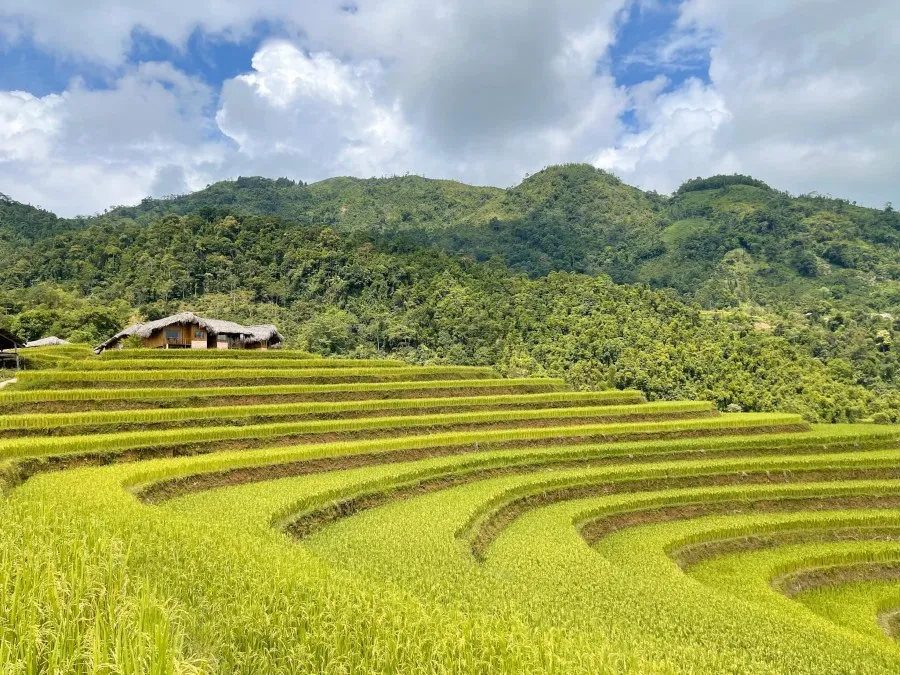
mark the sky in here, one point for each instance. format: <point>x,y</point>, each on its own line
<point>103,104</point>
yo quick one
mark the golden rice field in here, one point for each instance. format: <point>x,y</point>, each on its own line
<point>276,512</point>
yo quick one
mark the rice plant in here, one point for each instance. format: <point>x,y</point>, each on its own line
<point>175,375</point>
<point>156,416</point>
<point>113,442</point>
<point>284,363</point>
<point>479,525</point>
<point>206,355</point>
<point>13,396</point>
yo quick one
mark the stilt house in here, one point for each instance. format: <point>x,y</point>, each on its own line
<point>189,331</point>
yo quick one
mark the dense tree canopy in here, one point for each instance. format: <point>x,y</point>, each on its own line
<point>777,303</point>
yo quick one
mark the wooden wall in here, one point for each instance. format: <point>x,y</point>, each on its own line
<point>185,336</point>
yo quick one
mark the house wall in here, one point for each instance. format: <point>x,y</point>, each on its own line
<point>155,340</point>
<point>185,337</point>
<point>198,337</point>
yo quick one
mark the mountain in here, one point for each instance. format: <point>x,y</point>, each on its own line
<point>722,241</point>
<point>775,303</point>
<point>30,223</point>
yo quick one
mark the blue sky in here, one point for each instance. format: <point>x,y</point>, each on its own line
<point>216,58</point>
<point>213,58</point>
<point>102,105</point>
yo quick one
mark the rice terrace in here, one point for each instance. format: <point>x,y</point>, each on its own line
<point>469,337</point>
<point>183,511</point>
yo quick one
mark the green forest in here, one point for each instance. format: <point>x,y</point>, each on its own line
<point>729,290</point>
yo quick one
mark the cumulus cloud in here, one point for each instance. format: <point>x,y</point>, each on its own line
<point>169,180</point>
<point>82,150</point>
<point>484,92</point>
<point>678,135</point>
<point>314,112</point>
<point>28,125</point>
<point>501,68</point>
<point>802,94</point>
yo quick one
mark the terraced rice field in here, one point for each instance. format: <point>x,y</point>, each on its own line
<point>168,512</point>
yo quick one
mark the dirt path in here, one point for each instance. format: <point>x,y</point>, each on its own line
<point>6,382</point>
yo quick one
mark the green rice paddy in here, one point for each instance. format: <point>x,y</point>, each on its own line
<point>171,511</point>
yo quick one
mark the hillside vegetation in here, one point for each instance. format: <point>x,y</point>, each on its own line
<point>724,240</point>
<point>777,302</point>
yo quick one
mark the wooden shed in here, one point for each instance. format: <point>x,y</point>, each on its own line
<point>10,344</point>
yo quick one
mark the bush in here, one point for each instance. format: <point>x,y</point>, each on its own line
<point>132,342</point>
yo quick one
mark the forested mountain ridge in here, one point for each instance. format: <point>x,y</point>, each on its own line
<point>782,303</point>
<point>723,241</point>
<point>21,221</point>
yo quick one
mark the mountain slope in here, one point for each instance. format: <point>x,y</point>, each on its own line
<point>743,242</point>
<point>347,204</point>
<point>724,241</point>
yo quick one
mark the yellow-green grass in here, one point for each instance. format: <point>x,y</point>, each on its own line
<point>836,439</point>
<point>53,377</point>
<point>228,615</point>
<point>231,615</point>
<point>775,469</point>
<point>117,442</point>
<point>206,354</point>
<point>153,416</point>
<point>758,575</point>
<point>766,626</point>
<point>226,603</point>
<point>204,364</point>
<point>753,576</point>
<point>95,580</point>
<point>540,475</point>
<point>869,607</point>
<point>13,396</point>
<point>371,543</point>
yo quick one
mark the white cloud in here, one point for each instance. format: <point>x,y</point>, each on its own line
<point>27,124</point>
<point>169,180</point>
<point>83,150</point>
<point>317,114</point>
<point>484,92</point>
<point>802,93</point>
<point>678,135</point>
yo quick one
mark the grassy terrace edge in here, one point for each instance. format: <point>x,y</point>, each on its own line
<point>93,365</point>
<point>561,458</point>
<point>178,354</point>
<point>45,377</point>
<point>8,396</point>
<point>265,464</point>
<point>600,405</point>
<point>98,443</point>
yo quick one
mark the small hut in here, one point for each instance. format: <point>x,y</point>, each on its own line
<point>9,349</point>
<point>189,331</point>
<point>51,341</point>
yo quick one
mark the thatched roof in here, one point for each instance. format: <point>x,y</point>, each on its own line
<point>214,326</point>
<point>264,333</point>
<point>10,340</point>
<point>51,341</point>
